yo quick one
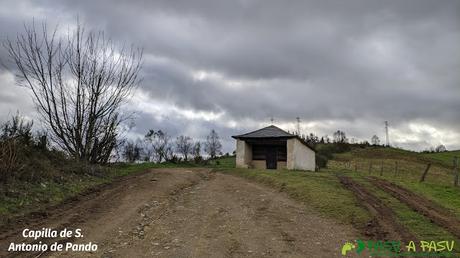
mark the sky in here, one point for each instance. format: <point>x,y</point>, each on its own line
<point>233,66</point>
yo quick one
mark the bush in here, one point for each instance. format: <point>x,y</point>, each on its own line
<point>325,152</point>
<point>321,161</point>
<point>26,157</point>
<point>8,161</point>
<point>198,159</point>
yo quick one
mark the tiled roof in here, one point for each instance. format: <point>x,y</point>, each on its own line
<point>270,132</point>
<point>266,132</point>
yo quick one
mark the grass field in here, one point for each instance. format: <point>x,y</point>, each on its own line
<point>444,157</point>
<point>438,185</point>
<point>422,227</point>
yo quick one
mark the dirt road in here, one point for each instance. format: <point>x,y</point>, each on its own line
<point>190,213</point>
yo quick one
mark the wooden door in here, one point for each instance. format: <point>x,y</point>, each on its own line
<point>271,158</point>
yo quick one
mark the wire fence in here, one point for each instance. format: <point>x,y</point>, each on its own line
<point>401,169</point>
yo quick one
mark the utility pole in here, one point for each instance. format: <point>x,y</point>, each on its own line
<point>386,133</point>
<point>298,125</point>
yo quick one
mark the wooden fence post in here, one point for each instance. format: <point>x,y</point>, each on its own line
<point>381,168</point>
<point>425,172</point>
<point>356,166</point>
<point>455,171</point>
<point>370,167</point>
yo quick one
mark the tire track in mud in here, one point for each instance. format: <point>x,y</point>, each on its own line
<point>383,225</point>
<point>437,214</point>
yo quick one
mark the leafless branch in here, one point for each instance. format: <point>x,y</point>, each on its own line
<point>79,83</point>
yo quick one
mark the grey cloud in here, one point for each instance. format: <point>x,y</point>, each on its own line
<point>321,60</point>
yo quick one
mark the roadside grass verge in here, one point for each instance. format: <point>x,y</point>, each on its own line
<point>25,197</point>
<point>319,190</point>
<point>416,223</point>
<point>223,162</point>
<point>29,196</point>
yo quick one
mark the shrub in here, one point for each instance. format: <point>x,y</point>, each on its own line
<point>27,157</point>
<point>8,160</point>
<point>321,161</point>
<point>325,152</point>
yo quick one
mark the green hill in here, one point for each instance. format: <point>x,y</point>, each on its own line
<point>443,157</point>
<point>405,168</point>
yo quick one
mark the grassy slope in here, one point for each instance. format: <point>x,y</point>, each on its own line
<point>27,197</point>
<point>444,157</point>
<point>438,185</point>
<point>418,224</point>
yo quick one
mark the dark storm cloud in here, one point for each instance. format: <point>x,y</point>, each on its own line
<point>349,62</point>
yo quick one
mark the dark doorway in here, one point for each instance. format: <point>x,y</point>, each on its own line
<point>271,157</point>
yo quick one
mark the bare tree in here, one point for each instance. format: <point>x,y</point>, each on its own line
<point>132,151</point>
<point>161,145</point>
<point>440,148</point>
<point>340,137</point>
<point>197,152</point>
<point>212,145</point>
<point>79,83</point>
<point>147,150</point>
<point>375,140</point>
<point>184,146</point>
<point>17,128</point>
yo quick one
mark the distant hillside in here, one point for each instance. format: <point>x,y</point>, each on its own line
<point>397,163</point>
<point>443,157</point>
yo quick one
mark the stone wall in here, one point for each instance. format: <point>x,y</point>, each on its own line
<point>299,156</point>
<point>243,154</point>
